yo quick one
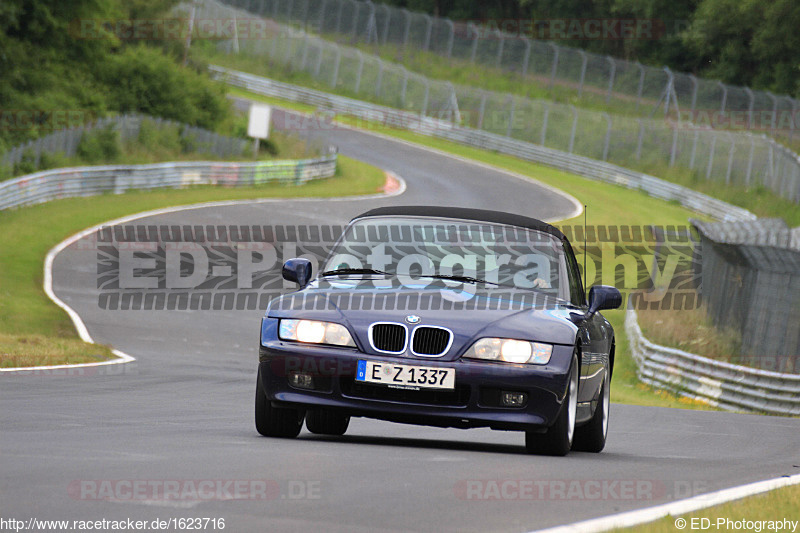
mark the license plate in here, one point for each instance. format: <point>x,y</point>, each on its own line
<point>406,376</point>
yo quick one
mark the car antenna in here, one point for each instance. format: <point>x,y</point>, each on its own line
<point>585,251</point>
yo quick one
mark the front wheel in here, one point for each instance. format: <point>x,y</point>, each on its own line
<point>275,421</point>
<point>591,437</point>
<point>558,438</point>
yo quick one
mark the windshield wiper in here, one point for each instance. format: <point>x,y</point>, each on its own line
<point>464,279</point>
<point>343,271</point>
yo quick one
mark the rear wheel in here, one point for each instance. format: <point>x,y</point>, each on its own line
<point>591,437</point>
<point>324,422</point>
<point>275,421</point>
<point>558,438</point>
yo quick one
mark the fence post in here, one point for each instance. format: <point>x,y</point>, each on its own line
<point>611,77</point>
<point>354,36</point>
<point>403,87</point>
<point>407,29</point>
<point>641,85</point>
<point>544,122</point>
<point>510,116</point>
<point>428,28</point>
<point>584,63</point>
<point>305,52</point>
<point>359,71</point>
<point>372,25</point>
<point>305,15</point>
<point>639,139</point>
<point>318,66</point>
<point>730,160</point>
<point>693,79</point>
<point>554,67</point>
<point>321,19</point>
<point>502,38</point>
<point>481,111</point>
<point>450,37</point>
<point>425,98</point>
<point>607,140</point>
<point>795,116</point>
<point>774,111</point>
<point>674,150</point>
<point>339,19</point>
<point>711,155</point>
<point>724,98</point>
<point>474,47</point>
<point>386,23</point>
<point>574,127</point>
<point>379,81</point>
<point>694,149</point>
<point>335,76</point>
<point>526,57</point>
<point>750,162</point>
<point>750,107</point>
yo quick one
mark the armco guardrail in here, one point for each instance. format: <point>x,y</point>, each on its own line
<point>584,166</point>
<point>724,385</point>
<point>87,181</point>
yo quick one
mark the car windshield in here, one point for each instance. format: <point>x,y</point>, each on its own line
<point>411,251</point>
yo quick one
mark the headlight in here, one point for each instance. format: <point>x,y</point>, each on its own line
<point>510,351</point>
<point>315,332</point>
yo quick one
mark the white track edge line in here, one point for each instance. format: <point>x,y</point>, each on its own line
<point>688,505</point>
<point>77,321</point>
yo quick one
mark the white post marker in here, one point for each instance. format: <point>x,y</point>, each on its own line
<point>258,125</point>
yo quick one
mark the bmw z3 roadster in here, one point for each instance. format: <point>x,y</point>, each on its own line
<point>441,316</point>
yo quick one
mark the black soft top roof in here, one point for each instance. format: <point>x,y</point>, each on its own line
<point>464,213</point>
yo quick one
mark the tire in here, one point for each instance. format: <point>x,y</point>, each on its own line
<point>275,421</point>
<point>324,422</point>
<point>557,440</point>
<point>591,437</point>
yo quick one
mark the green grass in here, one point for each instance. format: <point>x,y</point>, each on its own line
<point>774,505</point>
<point>33,330</point>
<point>759,200</point>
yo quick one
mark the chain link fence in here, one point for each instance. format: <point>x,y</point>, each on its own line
<point>591,78</point>
<point>750,275</point>
<point>128,126</point>
<point>652,145</point>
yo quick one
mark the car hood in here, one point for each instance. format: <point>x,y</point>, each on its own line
<point>497,312</point>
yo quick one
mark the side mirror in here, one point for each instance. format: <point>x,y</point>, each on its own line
<point>603,297</point>
<point>297,270</point>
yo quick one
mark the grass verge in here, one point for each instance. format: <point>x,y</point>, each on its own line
<point>34,331</point>
<point>775,505</point>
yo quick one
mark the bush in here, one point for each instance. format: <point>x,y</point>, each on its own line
<point>100,146</point>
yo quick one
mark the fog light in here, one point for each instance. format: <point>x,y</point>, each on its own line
<point>513,399</point>
<point>301,380</point>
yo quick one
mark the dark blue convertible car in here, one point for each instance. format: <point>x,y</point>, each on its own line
<point>441,316</point>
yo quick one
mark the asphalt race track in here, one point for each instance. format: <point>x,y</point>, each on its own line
<point>73,445</point>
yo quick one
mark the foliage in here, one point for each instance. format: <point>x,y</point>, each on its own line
<point>742,42</point>
<point>56,56</point>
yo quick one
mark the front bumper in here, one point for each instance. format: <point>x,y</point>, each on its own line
<point>475,402</point>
